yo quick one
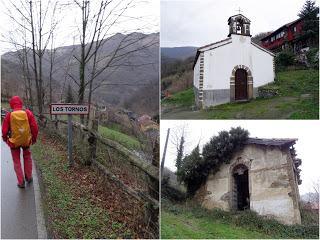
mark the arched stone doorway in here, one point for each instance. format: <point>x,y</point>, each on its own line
<point>240,187</point>
<point>241,84</point>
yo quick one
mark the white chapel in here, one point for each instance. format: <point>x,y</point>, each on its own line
<point>232,69</point>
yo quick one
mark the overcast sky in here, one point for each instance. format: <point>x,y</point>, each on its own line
<point>307,146</point>
<point>200,22</point>
<point>142,15</point>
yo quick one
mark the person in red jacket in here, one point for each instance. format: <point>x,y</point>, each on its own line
<point>19,131</point>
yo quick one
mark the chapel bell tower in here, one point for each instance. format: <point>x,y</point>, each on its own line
<point>239,24</point>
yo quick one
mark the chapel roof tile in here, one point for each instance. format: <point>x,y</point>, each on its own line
<point>272,141</point>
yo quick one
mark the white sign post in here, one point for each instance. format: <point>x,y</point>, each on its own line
<point>69,109</point>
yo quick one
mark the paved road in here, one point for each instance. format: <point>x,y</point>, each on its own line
<point>18,210</point>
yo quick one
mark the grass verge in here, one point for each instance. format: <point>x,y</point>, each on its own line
<point>185,221</point>
<point>68,203</point>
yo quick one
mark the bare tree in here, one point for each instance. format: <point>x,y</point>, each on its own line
<point>38,22</point>
<point>96,29</point>
<point>316,189</point>
<point>178,139</point>
<point>22,54</point>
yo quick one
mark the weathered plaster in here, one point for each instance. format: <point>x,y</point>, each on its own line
<point>272,183</point>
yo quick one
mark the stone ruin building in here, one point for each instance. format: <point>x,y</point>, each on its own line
<point>262,177</point>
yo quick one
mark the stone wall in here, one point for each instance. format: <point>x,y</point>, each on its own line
<point>272,183</point>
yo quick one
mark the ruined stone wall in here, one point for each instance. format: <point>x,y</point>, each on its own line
<point>272,184</point>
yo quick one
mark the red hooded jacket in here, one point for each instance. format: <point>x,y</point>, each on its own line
<point>16,104</point>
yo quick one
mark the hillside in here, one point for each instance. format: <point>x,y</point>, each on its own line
<point>176,76</point>
<point>176,69</point>
<point>124,86</point>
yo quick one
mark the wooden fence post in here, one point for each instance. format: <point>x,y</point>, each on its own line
<point>92,144</point>
<point>153,189</point>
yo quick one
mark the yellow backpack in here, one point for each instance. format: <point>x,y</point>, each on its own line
<point>20,129</point>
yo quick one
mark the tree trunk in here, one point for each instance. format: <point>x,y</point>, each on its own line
<point>35,60</point>
<point>82,60</point>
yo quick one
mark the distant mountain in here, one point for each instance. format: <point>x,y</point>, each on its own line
<point>178,53</point>
<point>126,84</point>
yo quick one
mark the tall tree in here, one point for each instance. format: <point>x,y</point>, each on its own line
<point>178,139</point>
<point>180,153</point>
<point>310,31</point>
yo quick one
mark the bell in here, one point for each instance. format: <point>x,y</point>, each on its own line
<point>238,28</point>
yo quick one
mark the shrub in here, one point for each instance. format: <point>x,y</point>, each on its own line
<point>313,58</point>
<point>284,59</point>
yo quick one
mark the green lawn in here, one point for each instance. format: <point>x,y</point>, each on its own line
<point>183,99</point>
<point>69,210</point>
<point>193,222</point>
<point>187,226</point>
<point>126,140</point>
<point>298,99</point>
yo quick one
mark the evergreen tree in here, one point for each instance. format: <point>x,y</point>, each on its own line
<point>309,13</point>
<point>191,171</point>
<point>69,97</point>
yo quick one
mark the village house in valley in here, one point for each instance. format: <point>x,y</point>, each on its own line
<point>232,69</point>
<point>262,177</point>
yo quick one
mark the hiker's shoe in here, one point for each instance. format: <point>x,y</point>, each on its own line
<point>22,185</point>
<point>29,180</point>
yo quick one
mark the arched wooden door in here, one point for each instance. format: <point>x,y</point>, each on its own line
<point>241,81</point>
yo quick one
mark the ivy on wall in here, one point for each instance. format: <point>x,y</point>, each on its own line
<point>297,163</point>
<point>196,167</point>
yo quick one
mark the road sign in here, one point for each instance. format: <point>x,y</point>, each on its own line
<point>69,109</point>
<point>66,109</point>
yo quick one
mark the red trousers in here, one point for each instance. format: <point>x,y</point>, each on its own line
<point>27,162</point>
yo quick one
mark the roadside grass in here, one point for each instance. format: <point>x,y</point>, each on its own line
<point>187,221</point>
<point>298,99</point>
<point>124,139</point>
<point>70,215</point>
